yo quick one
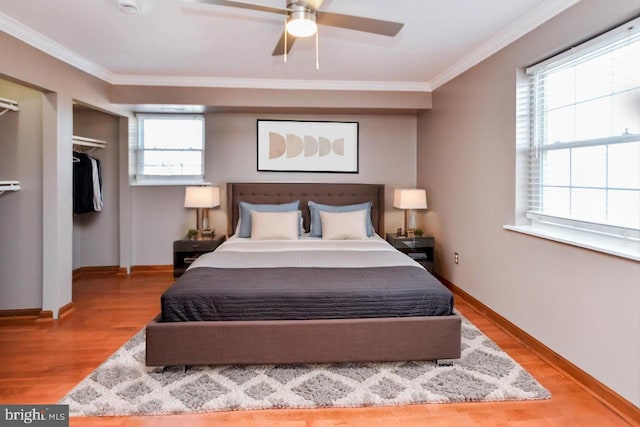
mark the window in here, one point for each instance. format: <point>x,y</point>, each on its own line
<point>584,147</point>
<point>170,149</point>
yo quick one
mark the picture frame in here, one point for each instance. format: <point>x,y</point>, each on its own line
<point>307,146</point>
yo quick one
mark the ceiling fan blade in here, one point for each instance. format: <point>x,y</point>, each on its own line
<point>369,25</point>
<point>240,5</point>
<point>279,50</point>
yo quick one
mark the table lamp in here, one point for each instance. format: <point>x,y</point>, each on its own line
<point>202,199</point>
<point>409,199</point>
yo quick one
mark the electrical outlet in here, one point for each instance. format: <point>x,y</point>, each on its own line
<point>456,258</point>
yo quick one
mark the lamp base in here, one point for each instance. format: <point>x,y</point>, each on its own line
<point>409,223</point>
<point>202,221</point>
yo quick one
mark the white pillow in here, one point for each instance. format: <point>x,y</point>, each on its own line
<point>275,225</point>
<point>300,231</point>
<point>344,225</point>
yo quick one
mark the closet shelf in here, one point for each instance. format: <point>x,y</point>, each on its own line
<point>9,186</point>
<point>8,105</point>
<point>88,142</point>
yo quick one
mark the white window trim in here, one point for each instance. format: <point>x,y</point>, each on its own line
<point>616,241</point>
<point>605,243</point>
<point>589,46</point>
<point>168,183</point>
<point>163,180</point>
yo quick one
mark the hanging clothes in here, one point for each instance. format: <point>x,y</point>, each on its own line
<point>87,183</point>
<point>97,183</point>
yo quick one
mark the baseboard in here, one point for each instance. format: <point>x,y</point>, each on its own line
<point>66,310</point>
<point>45,316</point>
<point>116,270</point>
<point>97,271</point>
<point>152,269</point>
<point>24,316</point>
<point>621,406</point>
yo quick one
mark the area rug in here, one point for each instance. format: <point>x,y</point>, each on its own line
<point>122,385</point>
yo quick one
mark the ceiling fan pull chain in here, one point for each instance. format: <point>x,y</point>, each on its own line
<point>317,56</point>
<point>285,38</point>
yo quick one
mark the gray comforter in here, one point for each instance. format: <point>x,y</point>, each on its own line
<point>351,280</point>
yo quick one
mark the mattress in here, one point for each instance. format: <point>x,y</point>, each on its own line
<point>304,279</point>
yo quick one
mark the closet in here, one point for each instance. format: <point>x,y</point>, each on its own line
<point>87,175</point>
<point>21,202</point>
<point>7,105</point>
<point>96,233</point>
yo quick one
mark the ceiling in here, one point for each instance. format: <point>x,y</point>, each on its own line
<point>172,42</point>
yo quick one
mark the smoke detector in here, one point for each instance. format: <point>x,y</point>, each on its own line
<point>130,7</point>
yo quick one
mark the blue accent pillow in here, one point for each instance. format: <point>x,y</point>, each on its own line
<point>316,224</point>
<point>246,208</point>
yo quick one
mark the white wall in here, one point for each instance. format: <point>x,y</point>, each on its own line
<point>582,304</point>
<point>387,147</point>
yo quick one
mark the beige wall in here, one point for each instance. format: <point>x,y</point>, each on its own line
<point>61,85</point>
<point>274,100</point>
<point>96,234</point>
<point>387,147</point>
<point>21,211</point>
<point>582,304</point>
<point>149,219</point>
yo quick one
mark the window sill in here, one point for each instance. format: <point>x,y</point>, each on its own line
<point>167,183</point>
<point>623,248</point>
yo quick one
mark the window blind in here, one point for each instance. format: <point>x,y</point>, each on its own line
<point>170,147</point>
<point>584,154</point>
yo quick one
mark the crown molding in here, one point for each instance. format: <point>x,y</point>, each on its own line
<point>517,29</point>
<point>513,32</point>
<point>280,84</point>
<point>22,32</point>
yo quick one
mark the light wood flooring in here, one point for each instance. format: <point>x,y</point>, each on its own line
<point>40,363</point>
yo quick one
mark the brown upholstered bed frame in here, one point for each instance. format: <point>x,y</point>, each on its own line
<point>303,341</point>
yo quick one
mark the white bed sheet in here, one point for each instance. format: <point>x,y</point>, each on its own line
<point>304,252</point>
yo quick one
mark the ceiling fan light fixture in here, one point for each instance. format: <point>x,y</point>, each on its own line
<point>302,23</point>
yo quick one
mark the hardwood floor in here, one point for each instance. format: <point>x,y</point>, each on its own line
<point>40,363</point>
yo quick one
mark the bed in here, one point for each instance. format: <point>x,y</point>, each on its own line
<point>303,301</point>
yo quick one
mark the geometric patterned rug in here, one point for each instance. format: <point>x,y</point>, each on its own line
<point>122,385</point>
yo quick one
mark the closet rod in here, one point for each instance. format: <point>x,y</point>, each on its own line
<point>89,142</point>
<point>9,186</point>
<point>8,105</point>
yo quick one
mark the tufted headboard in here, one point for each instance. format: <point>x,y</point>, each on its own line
<point>283,192</point>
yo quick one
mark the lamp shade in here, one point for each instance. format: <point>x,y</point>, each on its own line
<point>410,198</point>
<point>202,197</point>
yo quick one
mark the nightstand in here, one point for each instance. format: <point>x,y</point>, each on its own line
<point>186,250</point>
<point>419,248</point>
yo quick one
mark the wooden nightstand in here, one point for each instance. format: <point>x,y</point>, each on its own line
<point>419,248</point>
<point>186,250</point>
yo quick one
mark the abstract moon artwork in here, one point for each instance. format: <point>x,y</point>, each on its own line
<point>307,146</point>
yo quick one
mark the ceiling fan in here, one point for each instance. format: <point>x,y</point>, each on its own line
<point>303,16</point>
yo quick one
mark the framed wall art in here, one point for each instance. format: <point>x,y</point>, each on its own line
<point>307,146</point>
